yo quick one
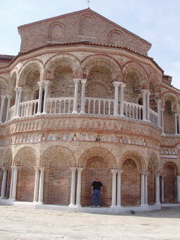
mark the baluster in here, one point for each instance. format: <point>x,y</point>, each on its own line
<point>89,105</point>
<point>99,107</point>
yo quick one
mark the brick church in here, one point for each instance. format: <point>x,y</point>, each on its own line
<point>83,99</point>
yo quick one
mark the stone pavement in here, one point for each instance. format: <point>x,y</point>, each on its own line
<point>17,223</point>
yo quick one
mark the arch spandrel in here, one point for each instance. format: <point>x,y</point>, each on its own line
<point>7,158</point>
<point>88,158</point>
<point>58,156</point>
<point>136,157</point>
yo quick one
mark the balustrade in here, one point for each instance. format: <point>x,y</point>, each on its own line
<point>99,106</point>
<point>133,110</point>
<point>62,105</point>
<point>94,106</point>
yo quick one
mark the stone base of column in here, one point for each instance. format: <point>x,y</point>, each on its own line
<point>72,205</point>
<point>39,203</point>
<point>78,206</point>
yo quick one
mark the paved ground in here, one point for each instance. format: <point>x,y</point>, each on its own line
<point>34,224</point>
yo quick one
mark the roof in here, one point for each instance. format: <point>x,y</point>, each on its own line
<point>6,57</point>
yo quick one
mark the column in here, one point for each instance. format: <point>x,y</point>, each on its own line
<point>116,91</point>
<point>14,185</point>
<point>2,108</point>
<point>73,187</point>
<point>157,190</point>
<point>142,190</point>
<point>8,106</point>
<point>148,107</point>
<point>40,97</point>
<point>46,87</point>
<point>159,112</point>
<point>36,184</point>
<point>113,201</point>
<point>41,186</point>
<point>162,189</point>
<point>11,184</point>
<point>3,186</point>
<point>76,81</point>
<point>144,103</point>
<point>162,118</point>
<point>122,99</point>
<point>178,123</point>
<point>18,101</point>
<point>178,189</point>
<point>78,192</point>
<point>119,188</point>
<point>83,82</point>
<point>146,189</point>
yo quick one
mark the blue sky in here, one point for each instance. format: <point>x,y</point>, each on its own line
<point>157,21</point>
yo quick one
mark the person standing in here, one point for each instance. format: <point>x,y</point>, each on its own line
<point>96,189</point>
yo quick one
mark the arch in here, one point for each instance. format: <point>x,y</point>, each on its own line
<point>136,157</point>
<point>26,159</point>
<point>3,86</point>
<point>102,60</point>
<point>57,32</point>
<point>86,25</point>
<point>60,155</point>
<point>136,78</point>
<point>170,171</point>
<point>57,161</point>
<point>172,98</point>
<point>98,151</point>
<point>31,65</point>
<point>116,38</point>
<point>96,161</point>
<point>66,59</point>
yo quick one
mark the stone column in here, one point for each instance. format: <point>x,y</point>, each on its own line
<point>4,181</point>
<point>36,184</point>
<point>142,190</point>
<point>176,121</point>
<point>157,190</point>
<point>19,100</point>
<point>122,99</point>
<point>73,187</point>
<point>148,107</point>
<point>11,184</point>
<point>16,102</point>
<point>144,103</point>
<point>179,123</point>
<point>162,118</point>
<point>40,97</point>
<point>76,81</point>
<point>146,189</point>
<point>78,192</point>
<point>113,201</point>
<point>2,108</point>
<point>116,93</point>
<point>83,82</point>
<point>41,186</point>
<point>119,188</point>
<point>8,106</point>
<point>178,189</point>
<point>46,88</point>
<point>14,185</point>
<point>162,189</point>
<point>159,112</point>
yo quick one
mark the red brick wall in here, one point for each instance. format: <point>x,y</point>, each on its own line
<point>170,184</point>
<point>25,186</point>
<point>57,186</point>
<point>130,184</point>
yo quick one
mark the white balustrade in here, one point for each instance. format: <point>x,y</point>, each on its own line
<point>63,105</point>
<point>153,117</point>
<point>133,110</point>
<point>28,108</point>
<point>99,106</point>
